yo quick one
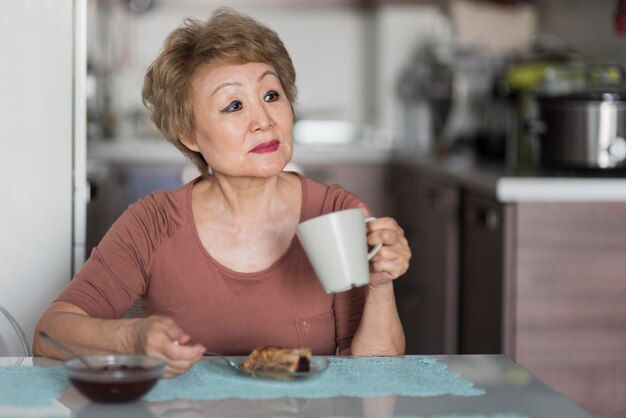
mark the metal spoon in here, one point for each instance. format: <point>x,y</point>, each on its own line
<point>221,356</point>
<point>60,346</point>
<point>230,362</point>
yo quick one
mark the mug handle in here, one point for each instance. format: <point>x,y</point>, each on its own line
<point>377,248</point>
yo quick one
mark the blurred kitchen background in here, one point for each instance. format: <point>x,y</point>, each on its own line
<point>375,78</point>
<point>493,131</point>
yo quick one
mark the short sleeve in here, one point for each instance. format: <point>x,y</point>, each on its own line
<point>116,273</point>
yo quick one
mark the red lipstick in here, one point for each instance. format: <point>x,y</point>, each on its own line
<point>266,147</point>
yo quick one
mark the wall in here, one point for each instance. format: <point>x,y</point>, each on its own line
<point>587,26</point>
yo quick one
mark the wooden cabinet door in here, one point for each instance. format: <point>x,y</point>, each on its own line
<point>427,295</point>
<point>482,276</point>
<point>570,301</point>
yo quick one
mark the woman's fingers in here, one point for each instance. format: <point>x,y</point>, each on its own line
<point>388,236</point>
<point>395,268</point>
<point>393,258</point>
<point>383,223</point>
<point>162,337</point>
<point>178,365</point>
<point>178,358</point>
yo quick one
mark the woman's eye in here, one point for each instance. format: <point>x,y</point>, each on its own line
<point>233,107</point>
<point>271,96</point>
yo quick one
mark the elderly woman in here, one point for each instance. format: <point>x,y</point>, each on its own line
<point>216,263</point>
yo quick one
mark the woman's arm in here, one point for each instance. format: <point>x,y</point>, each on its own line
<point>155,335</point>
<point>380,330</point>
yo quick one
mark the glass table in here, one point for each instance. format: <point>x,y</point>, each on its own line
<point>510,392</point>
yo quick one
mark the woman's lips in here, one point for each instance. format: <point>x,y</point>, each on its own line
<point>266,147</point>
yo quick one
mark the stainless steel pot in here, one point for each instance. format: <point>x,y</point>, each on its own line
<point>583,131</point>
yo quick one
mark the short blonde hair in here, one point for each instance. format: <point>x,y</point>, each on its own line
<point>227,37</point>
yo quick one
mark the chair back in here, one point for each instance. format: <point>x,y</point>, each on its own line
<point>13,342</point>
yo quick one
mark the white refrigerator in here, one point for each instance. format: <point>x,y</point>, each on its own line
<point>43,189</point>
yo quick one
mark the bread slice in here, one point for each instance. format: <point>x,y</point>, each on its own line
<point>278,359</point>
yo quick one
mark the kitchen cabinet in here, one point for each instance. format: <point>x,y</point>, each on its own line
<point>567,289</point>
<point>542,282</point>
<point>366,179</point>
<point>426,296</point>
<point>482,266</point>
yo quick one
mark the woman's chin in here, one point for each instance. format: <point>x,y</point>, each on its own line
<point>269,173</point>
<point>270,170</point>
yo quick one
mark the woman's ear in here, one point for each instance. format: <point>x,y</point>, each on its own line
<point>189,142</point>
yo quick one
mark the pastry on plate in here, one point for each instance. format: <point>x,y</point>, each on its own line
<point>278,359</point>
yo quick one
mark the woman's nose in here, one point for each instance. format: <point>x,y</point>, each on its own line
<point>261,119</point>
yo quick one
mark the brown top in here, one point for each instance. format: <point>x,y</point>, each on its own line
<point>153,252</point>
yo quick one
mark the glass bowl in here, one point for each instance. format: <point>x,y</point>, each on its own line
<point>114,378</point>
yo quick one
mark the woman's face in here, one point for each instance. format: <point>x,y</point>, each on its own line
<point>243,120</point>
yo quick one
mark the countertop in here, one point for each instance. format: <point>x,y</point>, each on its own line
<point>156,150</point>
<point>506,185</point>
<point>516,185</point>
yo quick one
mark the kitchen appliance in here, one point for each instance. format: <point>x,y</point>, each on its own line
<point>582,131</point>
<point>572,88</point>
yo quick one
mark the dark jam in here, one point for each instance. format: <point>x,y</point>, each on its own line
<point>303,364</point>
<point>114,391</point>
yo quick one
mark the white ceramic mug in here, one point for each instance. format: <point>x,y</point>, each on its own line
<point>336,244</point>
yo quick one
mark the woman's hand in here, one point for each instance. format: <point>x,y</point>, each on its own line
<point>160,336</point>
<point>154,336</point>
<point>392,260</point>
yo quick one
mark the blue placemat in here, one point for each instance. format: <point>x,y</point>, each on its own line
<point>358,377</point>
<point>362,377</point>
<point>31,386</point>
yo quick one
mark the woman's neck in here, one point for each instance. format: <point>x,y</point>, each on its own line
<point>243,197</point>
